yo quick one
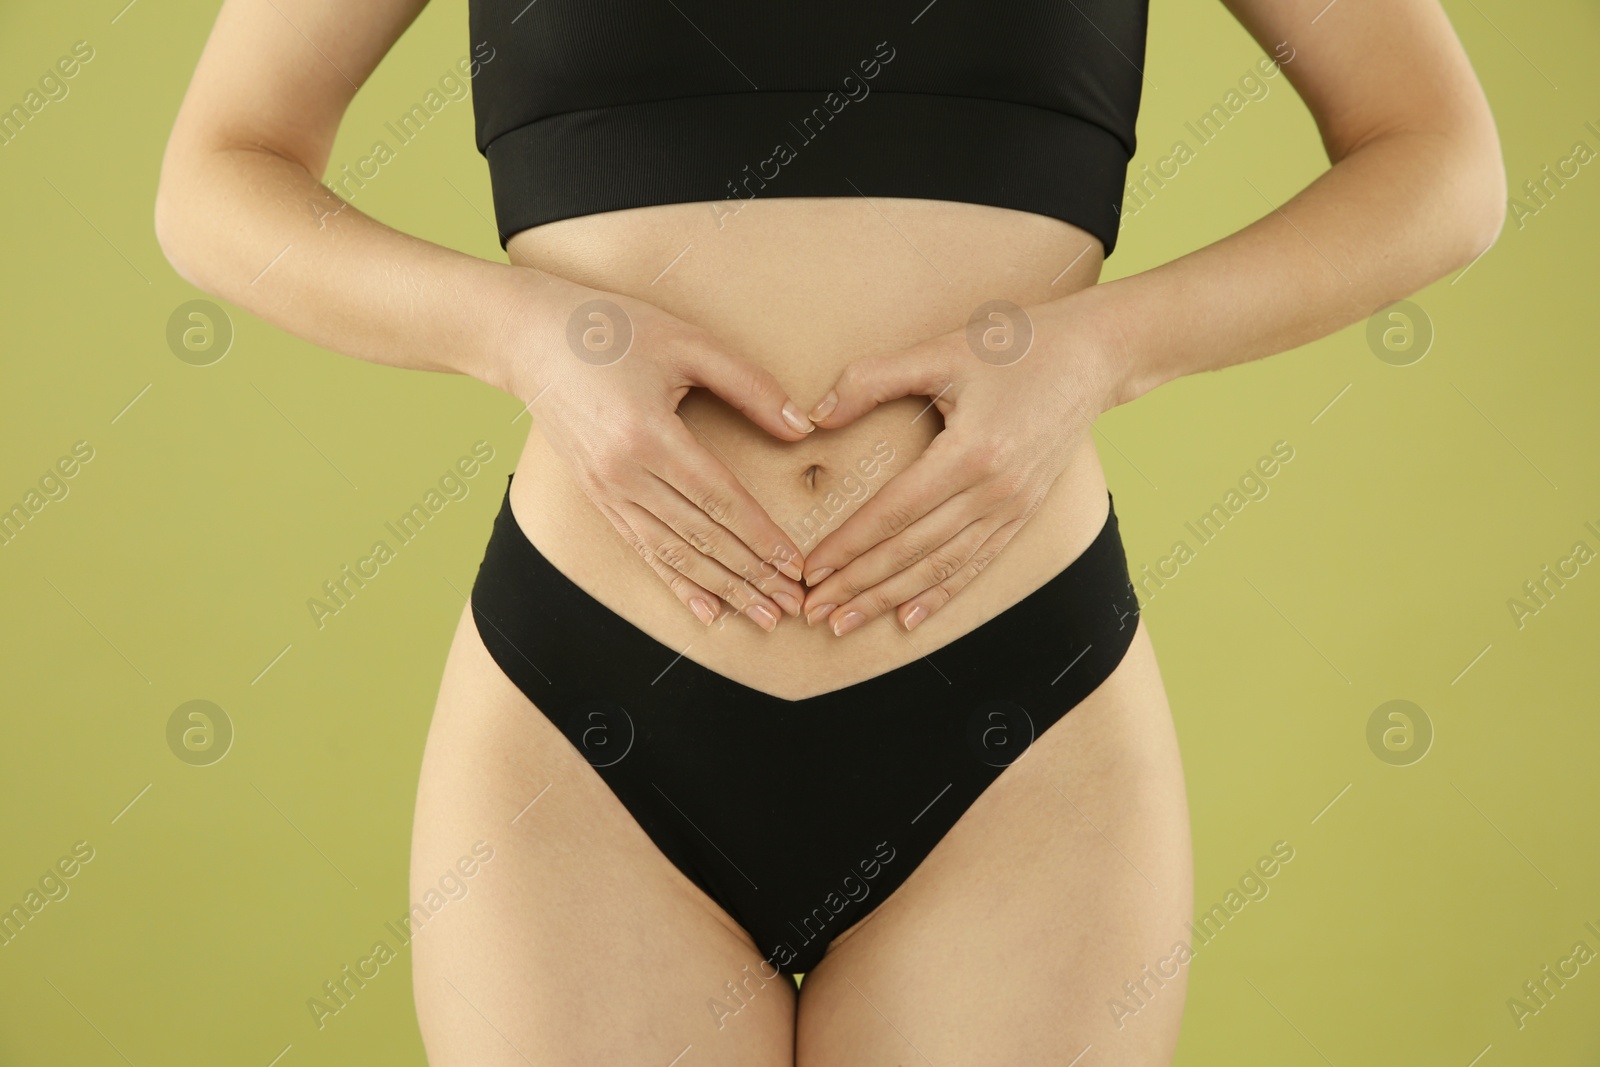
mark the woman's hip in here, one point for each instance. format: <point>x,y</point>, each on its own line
<point>797,815</point>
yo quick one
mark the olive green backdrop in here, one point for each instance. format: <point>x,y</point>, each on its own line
<point>175,563</point>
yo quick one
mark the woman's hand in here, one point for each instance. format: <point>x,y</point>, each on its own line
<point>603,374</point>
<point>1018,389</point>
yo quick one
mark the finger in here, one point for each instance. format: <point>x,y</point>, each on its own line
<point>714,541</point>
<point>922,605</point>
<point>680,556</point>
<point>747,387</point>
<point>938,566</point>
<point>921,370</point>
<point>704,604</point>
<point>893,555</point>
<point>931,479</point>
<point>687,466</point>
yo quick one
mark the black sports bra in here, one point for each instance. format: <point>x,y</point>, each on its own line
<point>598,105</point>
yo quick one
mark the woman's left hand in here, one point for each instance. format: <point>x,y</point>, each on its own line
<point>1018,389</point>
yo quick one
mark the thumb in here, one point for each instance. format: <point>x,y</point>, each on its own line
<point>922,370</point>
<point>747,387</point>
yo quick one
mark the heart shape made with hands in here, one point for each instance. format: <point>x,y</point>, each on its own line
<point>931,528</point>
<point>915,543</point>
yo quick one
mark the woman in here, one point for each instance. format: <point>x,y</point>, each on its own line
<point>802,304</point>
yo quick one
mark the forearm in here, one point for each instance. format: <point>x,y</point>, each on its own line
<point>1390,217</point>
<point>258,230</point>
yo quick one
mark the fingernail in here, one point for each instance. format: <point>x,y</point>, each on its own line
<point>825,406</point>
<point>792,416</point>
<point>790,567</point>
<point>702,611</point>
<point>915,615</point>
<point>789,601</point>
<point>762,617</point>
<point>818,612</point>
<point>851,620</point>
<point>817,576</point>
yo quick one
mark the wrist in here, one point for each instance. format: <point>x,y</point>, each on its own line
<point>525,322</point>
<point>1092,331</point>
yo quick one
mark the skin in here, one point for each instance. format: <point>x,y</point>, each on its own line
<point>672,475</point>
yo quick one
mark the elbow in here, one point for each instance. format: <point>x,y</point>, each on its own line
<point>171,227</point>
<point>1485,215</point>
<point>1480,204</point>
<point>178,227</point>
<point>166,226</point>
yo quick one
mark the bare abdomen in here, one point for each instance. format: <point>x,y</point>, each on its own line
<point>803,287</point>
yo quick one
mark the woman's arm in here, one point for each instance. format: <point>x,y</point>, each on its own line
<point>241,214</point>
<point>1416,189</point>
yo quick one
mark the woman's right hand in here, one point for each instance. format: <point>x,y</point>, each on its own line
<point>603,374</point>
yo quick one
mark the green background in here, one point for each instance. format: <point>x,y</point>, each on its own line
<point>220,897</point>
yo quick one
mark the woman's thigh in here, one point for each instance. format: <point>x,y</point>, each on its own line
<point>1069,877</point>
<point>576,941</point>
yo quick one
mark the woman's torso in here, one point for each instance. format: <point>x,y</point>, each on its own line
<point>803,287</point>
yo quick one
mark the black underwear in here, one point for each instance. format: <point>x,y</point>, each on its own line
<point>798,817</point>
